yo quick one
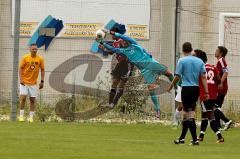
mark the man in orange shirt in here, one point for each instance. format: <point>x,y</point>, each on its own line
<point>28,73</point>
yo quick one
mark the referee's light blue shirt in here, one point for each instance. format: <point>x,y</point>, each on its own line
<point>190,68</point>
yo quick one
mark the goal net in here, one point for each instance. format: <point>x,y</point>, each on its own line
<point>229,36</point>
<point>230,32</point>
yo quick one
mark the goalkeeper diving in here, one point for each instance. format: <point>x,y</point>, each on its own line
<point>137,55</point>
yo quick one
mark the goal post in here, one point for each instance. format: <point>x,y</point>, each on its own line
<point>229,36</point>
<point>225,21</point>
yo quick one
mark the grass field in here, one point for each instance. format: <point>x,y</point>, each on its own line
<point>107,141</point>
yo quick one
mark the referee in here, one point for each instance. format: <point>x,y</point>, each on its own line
<point>191,69</point>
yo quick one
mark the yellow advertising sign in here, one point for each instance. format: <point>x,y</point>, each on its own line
<point>27,28</point>
<point>138,31</point>
<point>81,29</point>
<point>86,30</point>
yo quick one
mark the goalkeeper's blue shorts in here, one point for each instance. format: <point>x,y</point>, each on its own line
<point>152,72</point>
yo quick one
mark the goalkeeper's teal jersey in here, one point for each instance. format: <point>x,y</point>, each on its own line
<point>135,53</point>
<point>139,57</point>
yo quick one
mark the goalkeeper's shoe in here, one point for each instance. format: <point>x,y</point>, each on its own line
<point>157,115</point>
<point>219,141</point>
<point>21,119</point>
<point>30,119</point>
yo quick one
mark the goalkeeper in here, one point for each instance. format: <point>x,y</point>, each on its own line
<point>148,66</point>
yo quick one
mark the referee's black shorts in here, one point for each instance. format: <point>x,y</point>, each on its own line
<point>190,96</point>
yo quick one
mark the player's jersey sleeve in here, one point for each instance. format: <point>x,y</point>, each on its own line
<point>222,65</point>
<point>126,38</point>
<point>203,69</point>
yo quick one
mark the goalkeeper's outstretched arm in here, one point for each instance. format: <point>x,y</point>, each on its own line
<point>111,48</point>
<point>125,38</point>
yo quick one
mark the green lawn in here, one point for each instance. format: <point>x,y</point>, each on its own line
<point>107,141</point>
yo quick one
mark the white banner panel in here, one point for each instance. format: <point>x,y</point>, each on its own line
<point>83,17</point>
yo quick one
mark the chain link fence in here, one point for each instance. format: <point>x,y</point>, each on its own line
<point>77,80</point>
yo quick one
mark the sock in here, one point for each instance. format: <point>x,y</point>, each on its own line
<point>112,95</point>
<point>31,113</point>
<point>223,117</point>
<point>220,115</point>
<point>214,127</point>
<point>203,127</point>
<point>219,135</point>
<point>155,100</point>
<point>176,116</point>
<point>193,129</point>
<point>118,96</point>
<point>217,118</point>
<point>202,133</point>
<point>21,112</point>
<point>184,129</point>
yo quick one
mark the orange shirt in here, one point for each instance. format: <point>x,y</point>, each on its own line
<point>30,68</point>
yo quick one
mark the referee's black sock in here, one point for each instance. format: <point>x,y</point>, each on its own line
<point>214,127</point>
<point>193,129</point>
<point>184,129</point>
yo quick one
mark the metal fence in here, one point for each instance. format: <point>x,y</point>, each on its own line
<point>72,71</point>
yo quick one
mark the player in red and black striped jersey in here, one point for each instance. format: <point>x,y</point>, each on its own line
<point>213,79</point>
<point>220,54</point>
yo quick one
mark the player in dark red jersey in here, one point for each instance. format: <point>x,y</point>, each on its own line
<point>120,74</point>
<point>220,54</point>
<point>213,79</point>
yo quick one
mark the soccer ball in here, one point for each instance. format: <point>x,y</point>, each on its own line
<point>100,34</point>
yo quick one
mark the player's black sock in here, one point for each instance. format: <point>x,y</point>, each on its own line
<point>184,129</point>
<point>203,127</point>
<point>221,115</point>
<point>193,129</point>
<point>214,127</point>
<point>112,95</point>
<point>219,135</point>
<point>117,96</point>
<point>217,118</point>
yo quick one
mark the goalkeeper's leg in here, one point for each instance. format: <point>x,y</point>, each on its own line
<point>154,98</point>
